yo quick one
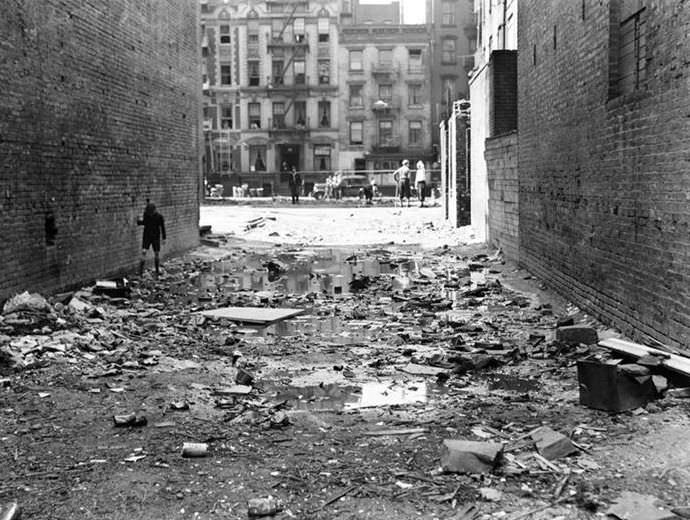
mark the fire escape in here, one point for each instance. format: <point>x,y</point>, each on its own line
<point>288,47</point>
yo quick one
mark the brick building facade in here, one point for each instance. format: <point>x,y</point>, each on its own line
<point>604,158</point>
<point>100,110</point>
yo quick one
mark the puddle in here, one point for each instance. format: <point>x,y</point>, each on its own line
<point>329,270</point>
<point>351,397</point>
<point>512,383</point>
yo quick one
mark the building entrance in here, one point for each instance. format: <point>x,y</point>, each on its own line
<point>290,155</point>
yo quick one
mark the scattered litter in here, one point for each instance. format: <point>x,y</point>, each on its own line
<point>131,419</point>
<point>194,449</point>
<point>269,506</point>
<point>634,506</point>
<point>10,511</point>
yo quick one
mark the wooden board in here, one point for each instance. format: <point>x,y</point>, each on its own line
<point>673,362</point>
<point>259,315</point>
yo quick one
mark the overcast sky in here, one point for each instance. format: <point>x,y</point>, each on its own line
<point>413,9</point>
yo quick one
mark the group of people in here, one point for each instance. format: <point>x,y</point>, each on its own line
<point>333,183</point>
<point>402,177</point>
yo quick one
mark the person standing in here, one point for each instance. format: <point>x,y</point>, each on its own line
<point>420,182</point>
<point>295,183</point>
<point>154,230</point>
<point>402,177</point>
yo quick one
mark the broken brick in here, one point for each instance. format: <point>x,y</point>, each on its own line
<point>470,456</point>
<point>552,445</point>
<point>575,334</point>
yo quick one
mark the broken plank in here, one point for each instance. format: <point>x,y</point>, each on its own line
<point>422,370</point>
<point>408,431</point>
<point>673,362</point>
<point>258,315</point>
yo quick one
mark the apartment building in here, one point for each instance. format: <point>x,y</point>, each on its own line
<point>270,90</point>
<point>454,41</point>
<point>385,101</point>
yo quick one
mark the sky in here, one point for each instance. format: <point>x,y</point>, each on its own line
<point>413,9</point>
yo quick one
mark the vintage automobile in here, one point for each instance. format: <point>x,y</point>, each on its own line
<point>350,186</point>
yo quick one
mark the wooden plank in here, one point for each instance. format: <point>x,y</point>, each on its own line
<point>673,362</point>
<point>259,315</point>
<point>408,431</point>
<point>421,370</point>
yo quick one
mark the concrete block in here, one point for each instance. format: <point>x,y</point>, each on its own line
<point>552,445</point>
<point>462,456</point>
<point>575,334</point>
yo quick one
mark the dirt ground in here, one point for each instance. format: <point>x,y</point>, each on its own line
<point>411,334</point>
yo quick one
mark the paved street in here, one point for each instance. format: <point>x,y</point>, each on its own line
<point>343,410</point>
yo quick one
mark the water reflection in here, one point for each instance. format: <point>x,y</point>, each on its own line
<point>350,397</point>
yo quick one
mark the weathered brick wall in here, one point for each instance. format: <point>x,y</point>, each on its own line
<point>605,181</point>
<point>502,168</point>
<point>99,111</point>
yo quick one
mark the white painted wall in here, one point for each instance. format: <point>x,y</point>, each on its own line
<point>479,183</point>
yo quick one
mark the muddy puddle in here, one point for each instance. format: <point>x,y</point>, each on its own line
<point>335,397</point>
<point>512,383</point>
<point>330,271</point>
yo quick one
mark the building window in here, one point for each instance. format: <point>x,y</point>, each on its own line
<point>386,57</point>
<point>254,74</point>
<point>257,158</point>
<point>324,114</point>
<point>414,95</point>
<point>386,93</point>
<point>356,60</point>
<point>324,72</point>
<point>323,26</point>
<point>226,117</point>
<point>448,53</point>
<point>356,131</point>
<point>277,72</point>
<point>254,110</point>
<point>385,133</point>
<point>415,60</point>
<point>356,99</point>
<point>298,29</point>
<point>448,85</point>
<point>224,34</point>
<point>322,157</point>
<point>448,12</point>
<point>300,114</point>
<point>277,29</point>
<point>298,69</point>
<point>415,131</point>
<point>278,115</point>
<point>225,74</point>
<point>632,51</point>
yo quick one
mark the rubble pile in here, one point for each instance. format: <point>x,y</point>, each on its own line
<point>404,381</point>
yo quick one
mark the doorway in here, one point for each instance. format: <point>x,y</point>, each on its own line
<point>289,153</point>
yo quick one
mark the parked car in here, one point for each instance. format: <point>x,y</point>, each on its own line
<point>350,186</point>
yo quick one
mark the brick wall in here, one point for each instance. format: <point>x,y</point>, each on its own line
<point>605,178</point>
<point>501,162</point>
<point>99,110</point>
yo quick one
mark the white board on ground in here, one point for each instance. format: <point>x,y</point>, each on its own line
<point>260,315</point>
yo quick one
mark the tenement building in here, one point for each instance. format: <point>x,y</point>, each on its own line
<point>270,91</point>
<point>385,101</point>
